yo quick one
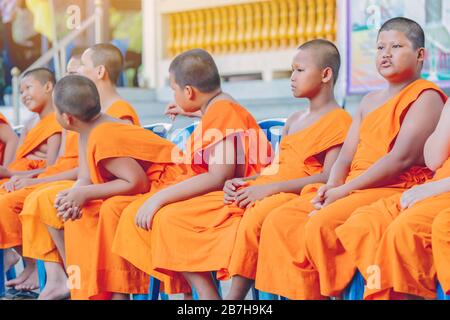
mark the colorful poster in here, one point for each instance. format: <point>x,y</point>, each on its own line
<point>365,17</point>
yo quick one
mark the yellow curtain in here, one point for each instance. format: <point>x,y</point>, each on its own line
<point>42,17</point>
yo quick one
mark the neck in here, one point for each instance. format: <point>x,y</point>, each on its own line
<point>85,127</point>
<point>48,108</point>
<point>108,95</point>
<point>395,87</point>
<point>208,100</point>
<point>323,100</point>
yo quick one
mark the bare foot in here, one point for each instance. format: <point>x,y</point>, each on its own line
<point>56,286</point>
<point>28,280</point>
<point>11,258</point>
<point>55,291</point>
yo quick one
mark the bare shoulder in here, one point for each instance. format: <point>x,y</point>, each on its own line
<point>296,116</point>
<point>428,104</point>
<point>370,101</point>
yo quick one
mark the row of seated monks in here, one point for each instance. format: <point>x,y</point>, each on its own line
<point>106,204</point>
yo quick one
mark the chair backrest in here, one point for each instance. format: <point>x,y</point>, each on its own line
<point>18,129</point>
<point>122,45</point>
<point>161,129</point>
<point>273,128</point>
<point>180,136</point>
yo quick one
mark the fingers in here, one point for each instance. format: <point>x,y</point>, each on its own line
<point>237,183</point>
<point>228,200</point>
<point>229,189</point>
<point>244,203</point>
<point>241,196</point>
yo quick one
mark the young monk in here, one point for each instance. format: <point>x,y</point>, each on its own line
<point>395,233</point>
<point>300,256</point>
<point>38,148</point>
<point>227,143</point>
<point>311,144</point>
<point>100,63</point>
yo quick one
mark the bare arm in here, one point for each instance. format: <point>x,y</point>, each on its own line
<point>130,179</point>
<point>11,141</point>
<point>212,180</point>
<point>419,123</point>
<point>341,167</point>
<point>437,147</point>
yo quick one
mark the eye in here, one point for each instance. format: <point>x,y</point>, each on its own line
<point>396,46</point>
<point>380,48</point>
<point>300,70</point>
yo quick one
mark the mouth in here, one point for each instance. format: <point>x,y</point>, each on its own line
<point>27,101</point>
<point>386,64</point>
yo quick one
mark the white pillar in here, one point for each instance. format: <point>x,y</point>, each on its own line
<point>150,43</point>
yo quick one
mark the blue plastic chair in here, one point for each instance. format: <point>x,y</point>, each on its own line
<point>273,128</point>
<point>261,295</point>
<point>122,45</point>
<point>441,294</point>
<point>161,129</point>
<point>355,290</point>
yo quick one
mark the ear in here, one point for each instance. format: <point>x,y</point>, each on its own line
<point>421,54</point>
<point>189,92</point>
<point>48,87</point>
<point>101,72</point>
<point>67,119</point>
<point>327,75</point>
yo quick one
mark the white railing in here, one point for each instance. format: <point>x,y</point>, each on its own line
<point>58,53</point>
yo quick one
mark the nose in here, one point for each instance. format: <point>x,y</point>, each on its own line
<point>387,53</point>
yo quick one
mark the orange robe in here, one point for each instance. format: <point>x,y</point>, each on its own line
<point>136,245</point>
<point>440,236</point>
<point>10,227</point>
<point>113,140</point>
<point>38,211</point>
<point>229,239</point>
<point>3,120</point>
<point>398,242</point>
<point>300,257</point>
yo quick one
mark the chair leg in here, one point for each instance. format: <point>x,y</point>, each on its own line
<point>2,275</point>
<point>267,296</point>
<point>355,291</point>
<point>153,289</point>
<point>255,293</point>
<point>41,274</point>
<point>217,283</point>
<point>441,294</point>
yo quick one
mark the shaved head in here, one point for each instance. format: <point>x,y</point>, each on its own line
<point>411,29</point>
<point>196,68</point>
<point>326,55</point>
<point>107,55</point>
<point>77,96</point>
<point>42,75</point>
